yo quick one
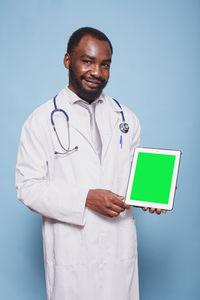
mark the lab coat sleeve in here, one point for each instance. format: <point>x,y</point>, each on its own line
<point>51,198</point>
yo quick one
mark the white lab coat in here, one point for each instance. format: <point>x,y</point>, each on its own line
<point>87,255</point>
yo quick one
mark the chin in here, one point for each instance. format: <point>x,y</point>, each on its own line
<point>89,95</point>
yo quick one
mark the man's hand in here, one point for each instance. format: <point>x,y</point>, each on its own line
<point>106,202</point>
<point>152,210</point>
<point>157,210</point>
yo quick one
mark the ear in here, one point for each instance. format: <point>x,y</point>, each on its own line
<point>67,60</point>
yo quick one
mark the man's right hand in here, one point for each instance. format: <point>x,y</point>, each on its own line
<point>106,202</point>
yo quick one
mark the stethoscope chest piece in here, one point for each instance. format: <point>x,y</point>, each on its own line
<point>124,127</point>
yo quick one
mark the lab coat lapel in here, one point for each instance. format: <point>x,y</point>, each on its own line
<point>107,119</point>
<point>76,121</point>
<point>80,124</point>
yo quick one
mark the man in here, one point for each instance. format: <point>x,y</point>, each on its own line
<point>73,167</point>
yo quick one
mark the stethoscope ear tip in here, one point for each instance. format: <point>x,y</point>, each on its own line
<point>55,152</point>
<point>76,148</point>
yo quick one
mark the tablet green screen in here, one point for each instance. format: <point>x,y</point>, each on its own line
<point>153,177</point>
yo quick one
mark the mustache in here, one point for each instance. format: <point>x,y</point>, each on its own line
<point>93,78</point>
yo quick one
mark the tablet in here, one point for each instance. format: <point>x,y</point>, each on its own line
<point>153,178</point>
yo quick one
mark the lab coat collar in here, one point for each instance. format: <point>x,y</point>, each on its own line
<point>73,98</point>
<point>115,106</point>
<point>107,120</point>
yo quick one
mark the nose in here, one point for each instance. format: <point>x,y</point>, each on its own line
<point>96,70</point>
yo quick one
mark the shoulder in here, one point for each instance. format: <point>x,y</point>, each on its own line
<point>130,116</point>
<point>40,115</point>
<point>129,113</point>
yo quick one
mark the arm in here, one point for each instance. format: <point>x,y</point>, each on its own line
<point>50,197</point>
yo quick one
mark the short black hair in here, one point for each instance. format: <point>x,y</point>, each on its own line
<point>81,32</point>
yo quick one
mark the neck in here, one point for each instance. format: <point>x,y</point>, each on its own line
<point>84,95</point>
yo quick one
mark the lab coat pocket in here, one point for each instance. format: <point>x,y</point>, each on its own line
<point>128,240</point>
<point>69,244</point>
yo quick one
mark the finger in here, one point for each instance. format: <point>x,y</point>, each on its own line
<point>121,198</point>
<point>118,196</point>
<point>152,210</point>
<point>164,211</point>
<point>158,211</point>
<point>121,203</point>
<point>144,208</point>
<point>117,208</point>
<point>112,213</point>
<point>126,206</point>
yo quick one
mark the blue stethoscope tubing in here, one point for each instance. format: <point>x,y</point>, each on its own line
<point>122,114</point>
<point>56,109</point>
<point>124,127</point>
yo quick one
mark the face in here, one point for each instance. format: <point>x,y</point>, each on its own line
<point>89,66</point>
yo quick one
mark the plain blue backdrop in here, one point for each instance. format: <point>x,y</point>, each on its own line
<point>155,72</point>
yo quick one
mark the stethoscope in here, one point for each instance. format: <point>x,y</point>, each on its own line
<point>124,127</point>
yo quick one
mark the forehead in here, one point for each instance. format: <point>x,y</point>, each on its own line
<point>93,47</point>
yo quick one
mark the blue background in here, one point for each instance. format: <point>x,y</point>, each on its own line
<point>155,72</point>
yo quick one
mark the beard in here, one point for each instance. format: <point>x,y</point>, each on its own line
<point>84,94</point>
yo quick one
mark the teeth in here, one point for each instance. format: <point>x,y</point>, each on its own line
<point>93,82</point>
<point>96,82</point>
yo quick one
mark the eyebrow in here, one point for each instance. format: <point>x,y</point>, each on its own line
<point>107,60</point>
<point>91,57</point>
<point>88,56</point>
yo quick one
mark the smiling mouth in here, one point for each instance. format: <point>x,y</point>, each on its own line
<point>92,83</point>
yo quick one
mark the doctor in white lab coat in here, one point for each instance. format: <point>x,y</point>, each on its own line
<point>89,235</point>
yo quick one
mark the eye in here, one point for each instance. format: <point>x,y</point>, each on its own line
<point>106,65</point>
<point>86,61</point>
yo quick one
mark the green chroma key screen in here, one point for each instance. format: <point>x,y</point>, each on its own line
<point>153,177</point>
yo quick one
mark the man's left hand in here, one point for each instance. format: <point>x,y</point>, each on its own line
<point>156,210</point>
